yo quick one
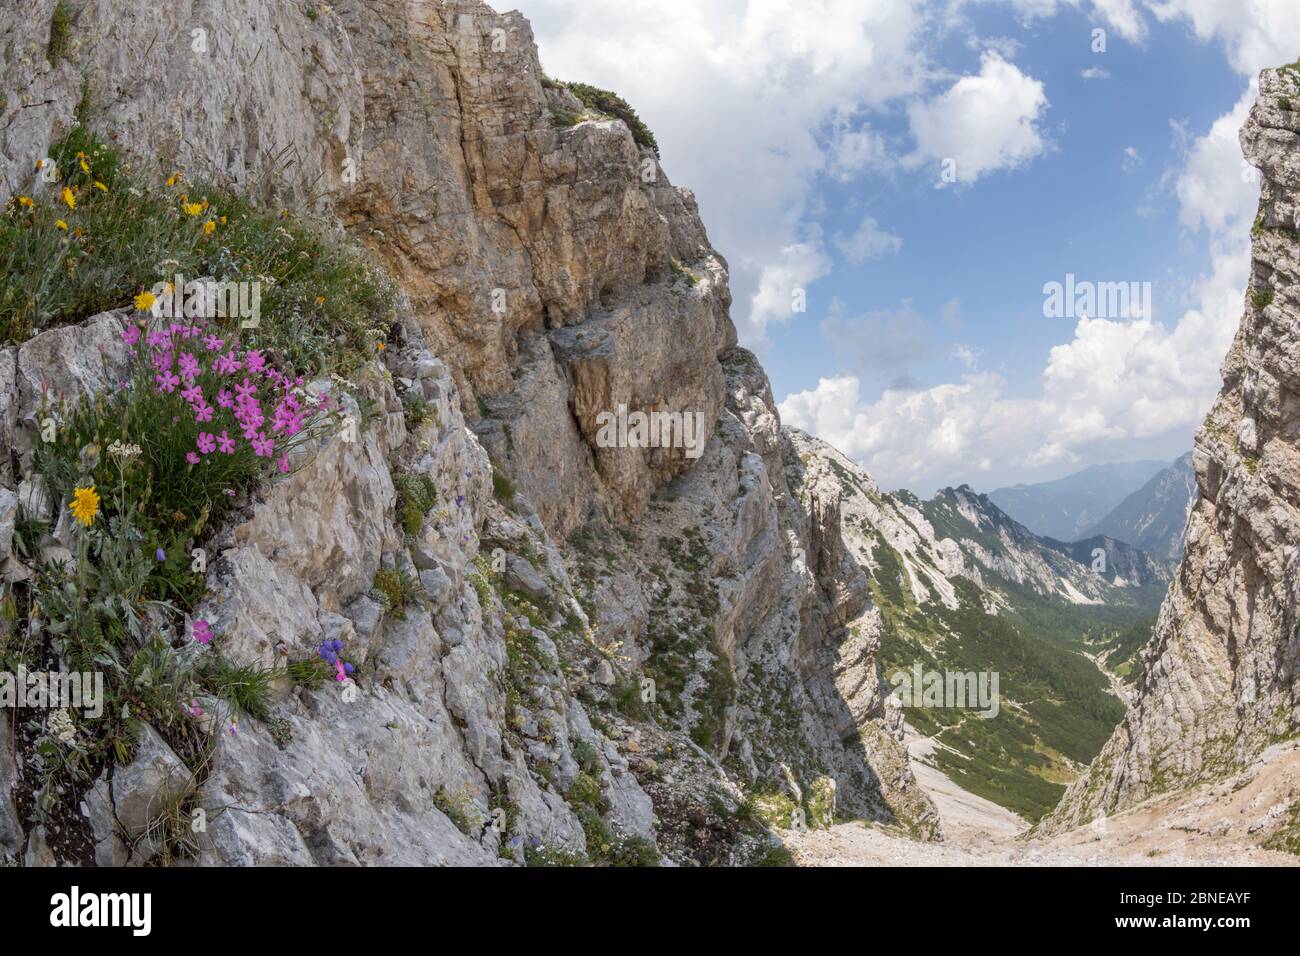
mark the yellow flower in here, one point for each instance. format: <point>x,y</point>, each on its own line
<point>61,224</point>
<point>145,301</point>
<point>192,208</point>
<point>69,198</point>
<point>85,505</point>
<point>84,167</point>
<point>173,180</point>
<point>209,227</point>
<point>25,201</point>
<point>100,186</point>
<point>320,300</point>
<point>222,220</point>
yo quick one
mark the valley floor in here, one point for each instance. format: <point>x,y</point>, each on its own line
<point>1217,824</point>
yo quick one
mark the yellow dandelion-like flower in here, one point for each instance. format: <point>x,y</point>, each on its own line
<point>100,186</point>
<point>85,505</point>
<point>25,201</point>
<point>320,300</point>
<point>209,227</point>
<point>61,224</point>
<point>145,301</point>
<point>192,208</point>
<point>173,180</point>
<point>84,167</point>
<point>69,198</point>
<point>222,220</point>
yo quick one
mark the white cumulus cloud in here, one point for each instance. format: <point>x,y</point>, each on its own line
<point>1115,390</point>
<point>984,122</point>
<point>868,241</point>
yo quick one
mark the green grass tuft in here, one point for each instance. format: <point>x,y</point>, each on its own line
<point>502,487</point>
<point>611,104</point>
<point>60,33</point>
<point>321,294</point>
<point>416,494</point>
<point>397,590</point>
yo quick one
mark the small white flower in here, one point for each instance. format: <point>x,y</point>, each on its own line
<point>60,724</point>
<point>124,452</point>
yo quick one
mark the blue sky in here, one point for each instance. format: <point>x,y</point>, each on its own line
<point>814,134</point>
<point>992,246</point>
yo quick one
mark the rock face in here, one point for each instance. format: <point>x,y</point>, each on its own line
<point>1221,676</point>
<point>54,372</point>
<point>505,231</point>
<point>612,653</point>
<point>737,596</point>
<point>11,829</point>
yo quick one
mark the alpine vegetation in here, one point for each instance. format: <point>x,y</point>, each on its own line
<point>60,690</point>
<point>951,689</point>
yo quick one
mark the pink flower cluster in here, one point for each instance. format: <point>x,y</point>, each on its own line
<point>202,631</point>
<point>178,355</point>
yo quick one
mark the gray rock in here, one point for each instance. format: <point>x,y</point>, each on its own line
<point>34,499</point>
<point>124,808</point>
<point>8,515</point>
<point>327,524</point>
<point>438,586</point>
<point>143,787</point>
<point>38,850</point>
<point>67,365</point>
<point>365,613</point>
<point>217,114</point>
<point>97,807</point>
<point>520,574</point>
<point>11,831</point>
<point>8,414</point>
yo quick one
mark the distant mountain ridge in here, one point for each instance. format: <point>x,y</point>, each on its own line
<point>961,586</point>
<point>1067,507</point>
<point>1154,518</point>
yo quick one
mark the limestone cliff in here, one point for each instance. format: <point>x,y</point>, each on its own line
<point>618,654</point>
<point>1220,678</point>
